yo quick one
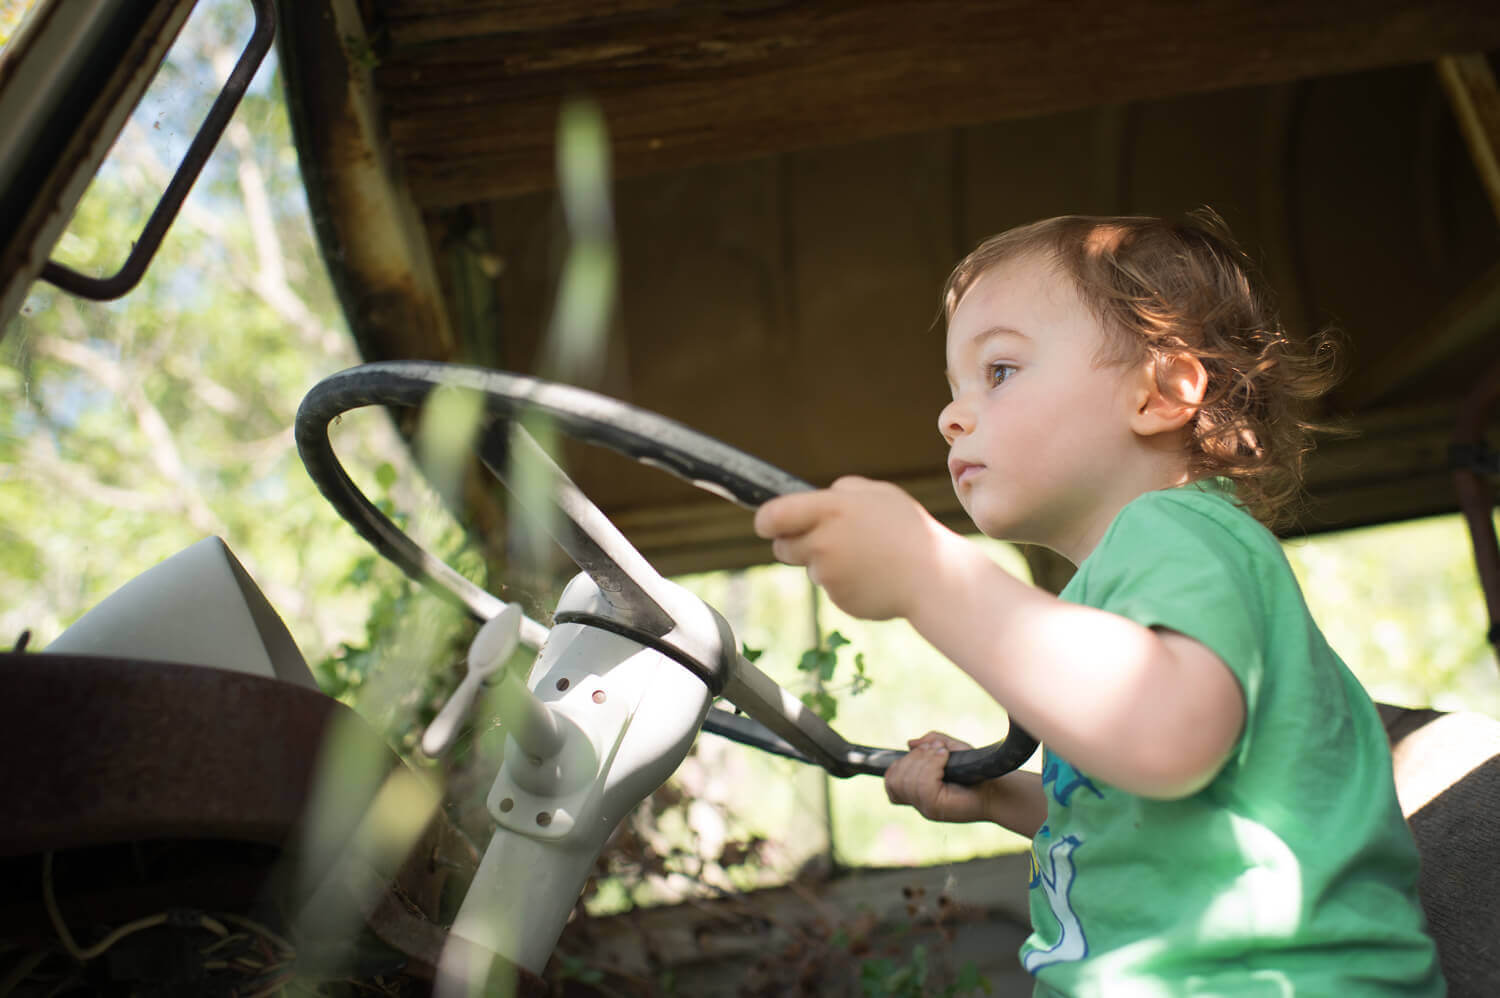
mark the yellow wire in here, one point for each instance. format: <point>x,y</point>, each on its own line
<point>254,926</point>
<point>84,955</point>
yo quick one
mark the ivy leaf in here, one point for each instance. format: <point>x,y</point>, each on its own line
<point>821,703</point>
<point>861,678</point>
<point>576,969</point>
<point>874,976</point>
<point>969,980</point>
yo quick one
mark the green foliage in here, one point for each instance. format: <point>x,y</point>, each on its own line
<point>135,428</point>
<point>1401,604</point>
<point>889,979</point>
<point>11,13</point>
<point>821,663</point>
<point>361,52</point>
<point>823,659</point>
<point>885,978</point>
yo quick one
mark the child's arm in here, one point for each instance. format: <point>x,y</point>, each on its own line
<point>1013,801</point>
<point>1152,712</point>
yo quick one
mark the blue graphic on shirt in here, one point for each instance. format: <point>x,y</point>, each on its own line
<point>1056,881</point>
<point>1064,780</point>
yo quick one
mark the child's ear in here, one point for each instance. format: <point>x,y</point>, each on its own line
<point>1170,392</point>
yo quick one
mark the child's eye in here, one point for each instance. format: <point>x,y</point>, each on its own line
<point>1001,373</point>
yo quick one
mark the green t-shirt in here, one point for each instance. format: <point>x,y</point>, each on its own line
<point>1292,872</point>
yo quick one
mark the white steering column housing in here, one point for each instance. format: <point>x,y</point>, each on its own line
<point>628,715</point>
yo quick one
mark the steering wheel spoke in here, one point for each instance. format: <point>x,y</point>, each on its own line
<point>624,577</point>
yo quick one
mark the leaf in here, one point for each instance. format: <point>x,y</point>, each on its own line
<point>385,475</point>
<point>969,979</point>
<point>576,969</point>
<point>874,976</point>
<point>751,654</point>
<point>821,703</point>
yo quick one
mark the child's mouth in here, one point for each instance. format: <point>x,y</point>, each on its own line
<point>963,471</point>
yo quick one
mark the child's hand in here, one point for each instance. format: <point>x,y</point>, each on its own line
<point>917,779</point>
<point>871,546</point>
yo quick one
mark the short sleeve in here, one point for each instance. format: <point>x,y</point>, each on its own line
<point>1179,560</point>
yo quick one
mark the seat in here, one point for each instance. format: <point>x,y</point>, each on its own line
<point>1447,769</point>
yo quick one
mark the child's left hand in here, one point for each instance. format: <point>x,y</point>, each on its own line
<point>871,546</point>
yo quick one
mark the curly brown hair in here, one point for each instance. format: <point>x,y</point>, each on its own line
<point>1164,288</point>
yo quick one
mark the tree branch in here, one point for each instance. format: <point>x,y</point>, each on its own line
<point>162,448</point>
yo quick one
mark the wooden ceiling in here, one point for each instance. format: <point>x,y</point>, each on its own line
<point>470,90</point>
<point>797,178</point>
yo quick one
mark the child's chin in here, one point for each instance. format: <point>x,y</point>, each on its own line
<point>998,527</point>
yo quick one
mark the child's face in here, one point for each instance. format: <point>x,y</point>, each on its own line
<point>1036,428</point>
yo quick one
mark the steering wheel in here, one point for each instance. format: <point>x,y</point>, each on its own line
<point>641,603</point>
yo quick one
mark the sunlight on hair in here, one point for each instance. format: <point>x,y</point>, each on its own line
<point>1103,239</point>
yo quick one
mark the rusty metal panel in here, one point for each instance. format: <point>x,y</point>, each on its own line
<point>102,750</point>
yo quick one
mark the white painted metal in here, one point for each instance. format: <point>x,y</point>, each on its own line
<point>628,715</point>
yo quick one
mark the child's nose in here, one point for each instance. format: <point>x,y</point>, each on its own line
<point>954,421</point>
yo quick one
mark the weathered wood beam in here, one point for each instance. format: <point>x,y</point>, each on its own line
<point>474,117</point>
<point>417,22</point>
<point>1471,317</point>
<point>374,242</point>
<point>710,943</point>
<point>1393,466</point>
<point>1475,99</point>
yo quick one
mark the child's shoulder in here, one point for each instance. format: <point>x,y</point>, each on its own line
<point>1210,499</point>
<point>1202,514</point>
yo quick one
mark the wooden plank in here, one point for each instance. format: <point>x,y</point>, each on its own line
<point>418,22</point>
<point>374,242</point>
<point>474,117</point>
<point>869,351</point>
<point>1470,84</point>
<point>1392,466</point>
<point>1469,319</point>
<point>708,945</point>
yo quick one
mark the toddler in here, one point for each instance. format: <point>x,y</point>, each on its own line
<point>1215,813</point>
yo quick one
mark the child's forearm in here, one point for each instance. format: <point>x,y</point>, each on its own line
<point>1016,801</point>
<point>1110,696</point>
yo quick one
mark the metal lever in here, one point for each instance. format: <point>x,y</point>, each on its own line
<point>524,717</point>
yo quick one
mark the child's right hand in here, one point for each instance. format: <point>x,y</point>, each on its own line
<point>917,779</point>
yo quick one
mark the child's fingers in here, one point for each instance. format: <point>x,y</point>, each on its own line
<point>939,738</point>
<point>791,516</point>
<point>917,777</point>
<point>952,744</point>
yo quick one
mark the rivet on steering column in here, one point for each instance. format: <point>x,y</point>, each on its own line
<point>562,683</point>
<point>507,804</point>
<point>599,696</point>
<point>544,818</point>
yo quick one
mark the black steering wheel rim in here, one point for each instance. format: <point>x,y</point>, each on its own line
<point>592,418</point>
